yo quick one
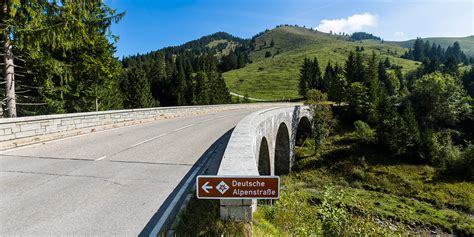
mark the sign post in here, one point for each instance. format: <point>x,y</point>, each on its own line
<point>237,187</point>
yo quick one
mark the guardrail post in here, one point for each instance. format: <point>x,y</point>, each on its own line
<point>238,209</point>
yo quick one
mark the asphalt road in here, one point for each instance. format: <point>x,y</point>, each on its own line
<point>105,183</point>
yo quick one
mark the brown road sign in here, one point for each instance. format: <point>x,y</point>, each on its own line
<point>238,187</point>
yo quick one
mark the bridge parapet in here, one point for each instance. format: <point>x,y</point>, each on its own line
<point>262,144</point>
<point>33,129</point>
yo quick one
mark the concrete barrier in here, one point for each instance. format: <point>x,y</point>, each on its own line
<point>262,144</point>
<point>27,130</point>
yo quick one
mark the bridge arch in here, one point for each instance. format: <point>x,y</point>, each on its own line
<point>303,130</point>
<point>264,158</point>
<point>282,150</point>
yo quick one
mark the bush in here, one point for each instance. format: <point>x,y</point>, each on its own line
<point>443,153</point>
<point>363,131</point>
<point>462,167</point>
<point>333,213</point>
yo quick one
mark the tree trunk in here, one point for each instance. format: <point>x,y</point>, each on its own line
<point>9,76</point>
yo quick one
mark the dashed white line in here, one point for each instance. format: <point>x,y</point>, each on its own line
<point>207,120</point>
<point>187,126</point>
<point>101,158</point>
<point>176,130</point>
<point>149,139</point>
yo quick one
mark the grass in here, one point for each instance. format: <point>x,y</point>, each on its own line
<point>389,196</point>
<point>201,218</point>
<point>276,78</point>
<point>349,187</point>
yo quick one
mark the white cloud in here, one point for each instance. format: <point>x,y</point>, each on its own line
<point>356,22</point>
<point>399,34</point>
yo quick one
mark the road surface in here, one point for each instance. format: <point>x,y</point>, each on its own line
<point>105,183</point>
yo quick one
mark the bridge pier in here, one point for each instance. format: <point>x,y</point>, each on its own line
<point>238,209</point>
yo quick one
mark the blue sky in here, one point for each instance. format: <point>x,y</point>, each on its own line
<point>150,25</point>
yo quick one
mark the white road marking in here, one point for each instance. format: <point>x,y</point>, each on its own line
<point>207,120</point>
<point>173,203</point>
<point>149,139</point>
<point>187,126</point>
<point>101,158</point>
<point>191,178</point>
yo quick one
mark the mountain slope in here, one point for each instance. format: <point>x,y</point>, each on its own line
<point>467,43</point>
<point>219,44</point>
<point>276,77</point>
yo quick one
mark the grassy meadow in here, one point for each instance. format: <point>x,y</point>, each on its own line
<point>276,77</point>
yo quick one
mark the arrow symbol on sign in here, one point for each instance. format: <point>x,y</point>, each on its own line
<point>205,187</point>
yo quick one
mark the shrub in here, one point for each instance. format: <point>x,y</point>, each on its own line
<point>363,131</point>
<point>462,167</point>
<point>444,154</point>
<point>332,212</point>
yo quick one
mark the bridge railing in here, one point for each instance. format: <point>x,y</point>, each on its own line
<point>27,130</point>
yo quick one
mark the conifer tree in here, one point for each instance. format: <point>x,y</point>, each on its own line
<point>68,53</point>
<point>387,63</point>
<point>315,80</point>
<point>201,91</point>
<point>329,76</point>
<point>137,87</point>
<point>383,76</point>
<point>451,66</point>
<point>418,50</point>
<point>354,68</point>
<point>373,82</point>
<point>179,85</point>
<point>337,88</point>
<point>305,74</point>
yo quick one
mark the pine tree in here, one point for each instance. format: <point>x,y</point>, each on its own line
<point>305,74</point>
<point>73,67</point>
<point>189,89</point>
<point>418,50</point>
<point>410,136</point>
<point>373,82</point>
<point>329,76</point>
<point>354,68</point>
<point>201,91</point>
<point>337,88</point>
<point>383,76</point>
<point>451,66</point>
<point>360,75</point>
<point>432,66</point>
<point>137,88</point>
<point>315,80</point>
<point>468,81</point>
<point>350,68</point>
<point>387,63</point>
<point>179,85</point>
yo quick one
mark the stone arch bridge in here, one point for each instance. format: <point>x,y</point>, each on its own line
<point>262,144</point>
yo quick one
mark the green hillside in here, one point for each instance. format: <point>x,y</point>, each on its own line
<point>276,77</point>
<point>467,43</point>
